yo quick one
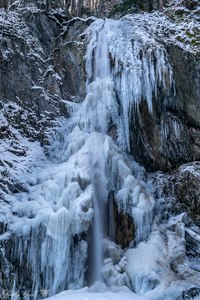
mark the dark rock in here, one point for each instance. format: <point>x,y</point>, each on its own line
<point>186,68</point>
<point>178,192</point>
<point>170,136</point>
<point>120,225</point>
<point>191,293</point>
<point>179,189</point>
<point>124,228</point>
<point>191,4</point>
<point>186,189</point>
<point>118,8</point>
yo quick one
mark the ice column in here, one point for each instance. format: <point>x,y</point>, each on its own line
<point>99,89</point>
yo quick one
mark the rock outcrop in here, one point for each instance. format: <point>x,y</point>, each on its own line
<point>41,58</point>
<point>170,135</point>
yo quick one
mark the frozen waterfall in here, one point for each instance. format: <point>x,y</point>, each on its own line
<point>52,224</point>
<point>138,68</point>
<point>97,156</point>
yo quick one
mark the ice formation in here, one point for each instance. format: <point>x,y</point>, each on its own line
<point>138,67</point>
<point>88,158</point>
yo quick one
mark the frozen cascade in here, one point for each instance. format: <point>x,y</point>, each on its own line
<point>51,222</point>
<point>97,157</point>
<point>98,179</point>
<point>139,67</point>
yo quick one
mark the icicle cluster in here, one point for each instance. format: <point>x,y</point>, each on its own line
<point>139,67</point>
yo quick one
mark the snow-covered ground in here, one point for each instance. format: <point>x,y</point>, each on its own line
<point>120,293</point>
<point>86,293</point>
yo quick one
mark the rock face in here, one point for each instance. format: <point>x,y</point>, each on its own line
<point>118,8</point>
<point>181,188</point>
<point>186,68</point>
<point>187,191</point>
<point>41,60</point>
<point>170,135</point>
<point>178,192</point>
<point>120,225</point>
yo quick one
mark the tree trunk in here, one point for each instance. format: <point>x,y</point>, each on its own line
<point>80,8</point>
<point>6,4</point>
<point>47,5</point>
<point>73,7</point>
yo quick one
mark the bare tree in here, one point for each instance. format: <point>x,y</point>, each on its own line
<point>80,8</point>
<point>47,5</point>
<point>4,4</point>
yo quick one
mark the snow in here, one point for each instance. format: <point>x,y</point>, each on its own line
<point>193,169</point>
<point>114,293</point>
<point>18,155</point>
<point>193,234</point>
<point>149,266</point>
<point>179,30</point>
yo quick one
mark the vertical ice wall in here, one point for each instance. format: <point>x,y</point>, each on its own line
<point>101,74</point>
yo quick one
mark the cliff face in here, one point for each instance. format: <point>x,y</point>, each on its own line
<point>43,77</point>
<point>33,49</point>
<point>170,136</point>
